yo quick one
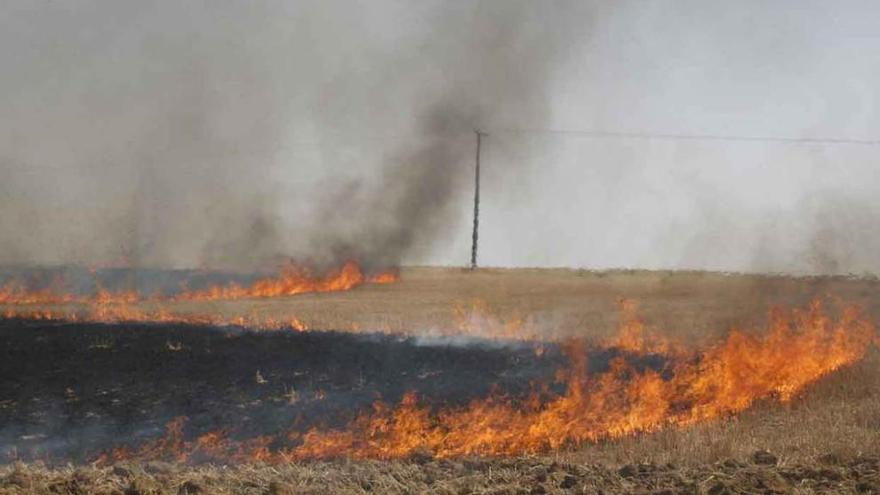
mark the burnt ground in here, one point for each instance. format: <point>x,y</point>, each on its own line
<point>71,390</point>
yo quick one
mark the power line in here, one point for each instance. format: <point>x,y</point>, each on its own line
<point>598,134</point>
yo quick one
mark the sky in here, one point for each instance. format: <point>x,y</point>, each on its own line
<point>233,134</point>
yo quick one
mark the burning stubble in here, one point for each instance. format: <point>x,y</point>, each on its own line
<point>174,156</point>
<point>622,399</point>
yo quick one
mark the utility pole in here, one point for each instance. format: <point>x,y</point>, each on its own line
<point>476,201</point>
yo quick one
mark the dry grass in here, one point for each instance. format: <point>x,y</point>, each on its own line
<point>759,474</point>
<point>835,424</point>
<point>690,305</point>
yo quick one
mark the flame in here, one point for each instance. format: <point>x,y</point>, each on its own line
<point>13,292</point>
<point>126,313</point>
<point>105,306</point>
<point>386,277</point>
<point>291,281</point>
<point>634,336</point>
<point>798,348</point>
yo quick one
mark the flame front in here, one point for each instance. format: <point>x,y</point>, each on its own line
<point>798,348</point>
<point>107,306</point>
<point>291,281</point>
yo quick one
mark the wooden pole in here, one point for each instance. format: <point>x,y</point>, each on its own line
<point>476,201</point>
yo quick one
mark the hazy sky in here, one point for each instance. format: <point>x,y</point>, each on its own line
<point>229,133</point>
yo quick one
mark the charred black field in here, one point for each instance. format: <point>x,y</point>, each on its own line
<point>69,391</point>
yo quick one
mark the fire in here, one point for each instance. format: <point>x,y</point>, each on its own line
<point>291,281</point>
<point>13,292</point>
<point>386,277</point>
<point>105,306</point>
<point>634,336</point>
<point>798,348</point>
<point>125,313</point>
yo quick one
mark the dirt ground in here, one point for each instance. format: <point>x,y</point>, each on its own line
<point>825,441</point>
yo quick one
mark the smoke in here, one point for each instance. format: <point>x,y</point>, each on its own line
<point>779,69</point>
<point>475,67</point>
<point>845,237</point>
<point>236,134</point>
<point>168,135</point>
<point>136,137</point>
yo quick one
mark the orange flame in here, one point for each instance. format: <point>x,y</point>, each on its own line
<point>106,306</point>
<point>633,335</point>
<point>386,277</point>
<point>13,292</point>
<point>798,348</point>
<point>292,280</point>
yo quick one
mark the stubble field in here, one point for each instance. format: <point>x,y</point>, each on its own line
<point>827,439</point>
